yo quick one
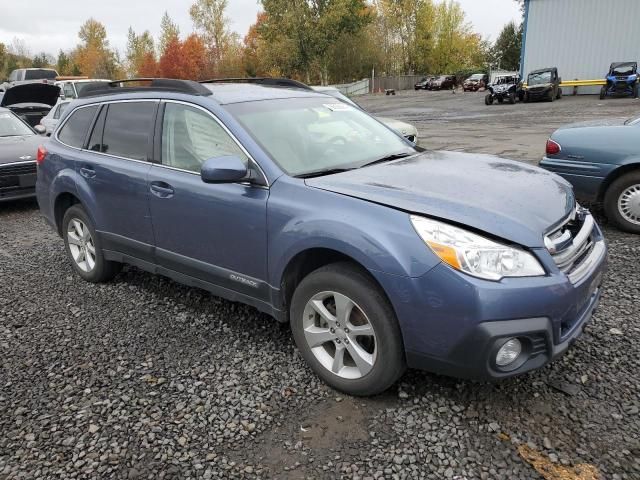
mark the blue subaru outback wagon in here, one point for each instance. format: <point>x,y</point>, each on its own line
<point>379,254</point>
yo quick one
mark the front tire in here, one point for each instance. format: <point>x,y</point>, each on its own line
<point>346,330</point>
<point>603,93</point>
<point>84,249</point>
<point>512,98</point>
<point>622,202</point>
<point>635,91</point>
<point>559,96</point>
<point>488,99</point>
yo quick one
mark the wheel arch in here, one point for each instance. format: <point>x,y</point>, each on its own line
<point>63,201</point>
<point>309,260</point>
<point>616,174</point>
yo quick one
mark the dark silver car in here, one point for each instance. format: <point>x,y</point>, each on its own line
<point>18,151</point>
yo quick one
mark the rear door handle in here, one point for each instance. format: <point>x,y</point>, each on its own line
<point>87,172</point>
<point>161,189</point>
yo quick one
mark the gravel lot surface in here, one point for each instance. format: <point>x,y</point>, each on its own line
<point>144,378</point>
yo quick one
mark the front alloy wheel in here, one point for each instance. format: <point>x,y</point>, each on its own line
<point>622,202</point>
<point>346,329</point>
<point>339,335</point>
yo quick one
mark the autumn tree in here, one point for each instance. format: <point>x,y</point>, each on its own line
<point>93,55</point>
<point>168,31</point>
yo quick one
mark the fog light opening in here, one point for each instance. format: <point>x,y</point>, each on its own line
<point>509,352</point>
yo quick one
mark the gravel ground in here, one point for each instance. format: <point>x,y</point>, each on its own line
<point>144,378</point>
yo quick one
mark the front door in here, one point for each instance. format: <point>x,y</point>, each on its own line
<point>212,232</point>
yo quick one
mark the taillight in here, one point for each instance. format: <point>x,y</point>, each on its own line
<point>42,153</point>
<point>553,148</point>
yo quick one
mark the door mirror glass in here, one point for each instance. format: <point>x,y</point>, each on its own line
<point>227,169</point>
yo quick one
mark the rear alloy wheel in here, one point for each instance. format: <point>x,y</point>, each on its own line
<point>83,247</point>
<point>622,202</point>
<point>347,331</point>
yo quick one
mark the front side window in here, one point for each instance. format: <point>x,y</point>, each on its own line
<point>191,136</point>
<point>306,135</point>
<point>11,126</point>
<point>68,91</point>
<point>74,131</point>
<point>128,129</point>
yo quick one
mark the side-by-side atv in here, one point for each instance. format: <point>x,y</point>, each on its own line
<point>543,84</point>
<point>506,87</point>
<point>622,80</point>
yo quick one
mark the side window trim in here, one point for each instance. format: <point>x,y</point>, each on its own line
<point>158,143</point>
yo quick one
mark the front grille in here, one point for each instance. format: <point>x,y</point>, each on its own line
<point>17,169</point>
<point>572,243</point>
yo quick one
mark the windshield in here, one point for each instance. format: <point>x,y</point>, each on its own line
<point>505,80</point>
<point>442,78</point>
<point>11,126</point>
<point>477,76</point>
<point>80,86</point>
<point>539,78</point>
<point>305,135</point>
<point>40,73</point>
<point>624,70</point>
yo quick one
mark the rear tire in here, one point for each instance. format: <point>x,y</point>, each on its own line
<point>559,96</point>
<point>635,91</point>
<point>84,248</point>
<point>326,344</point>
<point>622,202</point>
<point>603,93</point>
<point>512,98</point>
<point>488,99</point>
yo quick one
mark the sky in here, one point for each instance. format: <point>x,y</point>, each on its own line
<point>50,26</point>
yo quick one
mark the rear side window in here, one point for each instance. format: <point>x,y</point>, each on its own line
<point>128,129</point>
<point>75,128</point>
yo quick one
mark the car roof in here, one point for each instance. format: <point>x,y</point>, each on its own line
<point>542,70</point>
<point>221,93</point>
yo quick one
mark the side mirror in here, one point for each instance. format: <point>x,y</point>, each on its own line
<point>227,169</point>
<point>40,129</point>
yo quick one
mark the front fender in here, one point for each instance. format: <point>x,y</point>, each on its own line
<point>380,238</point>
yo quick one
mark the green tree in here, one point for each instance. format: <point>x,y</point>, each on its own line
<point>139,47</point>
<point>310,28</point>
<point>169,32</point>
<point>506,50</point>
<point>63,64</point>
<point>209,19</point>
<point>41,60</point>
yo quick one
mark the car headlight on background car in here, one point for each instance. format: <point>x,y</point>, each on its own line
<point>473,254</point>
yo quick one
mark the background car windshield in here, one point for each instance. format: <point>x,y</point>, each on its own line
<point>477,76</point>
<point>539,78</point>
<point>10,126</point>
<point>305,135</point>
<point>624,70</point>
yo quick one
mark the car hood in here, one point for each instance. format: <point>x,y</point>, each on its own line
<point>42,93</point>
<point>19,149</point>
<point>504,198</point>
<point>402,127</point>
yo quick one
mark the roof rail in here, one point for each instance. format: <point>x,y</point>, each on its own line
<point>267,81</point>
<point>156,84</point>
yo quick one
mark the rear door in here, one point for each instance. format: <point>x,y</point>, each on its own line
<point>114,168</point>
<point>212,232</point>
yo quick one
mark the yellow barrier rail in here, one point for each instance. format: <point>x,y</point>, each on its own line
<point>579,83</point>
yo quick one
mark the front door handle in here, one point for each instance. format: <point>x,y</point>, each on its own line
<point>161,189</point>
<point>87,171</point>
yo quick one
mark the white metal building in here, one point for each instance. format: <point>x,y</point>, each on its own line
<point>580,37</point>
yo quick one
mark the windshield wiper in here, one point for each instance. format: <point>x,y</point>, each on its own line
<point>326,171</point>
<point>388,158</point>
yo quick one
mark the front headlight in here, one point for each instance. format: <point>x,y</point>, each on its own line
<point>478,256</point>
